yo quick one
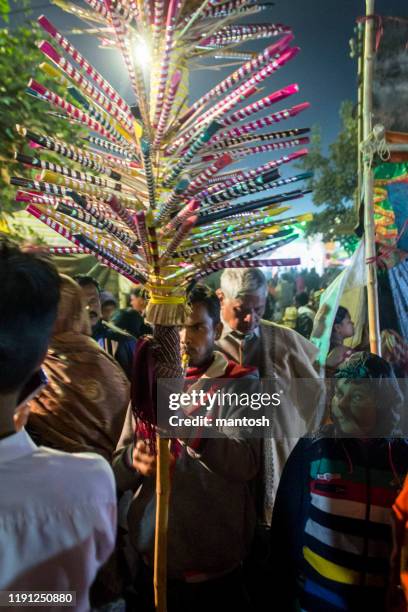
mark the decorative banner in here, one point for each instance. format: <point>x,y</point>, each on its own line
<point>352,277</point>
<point>390,95</point>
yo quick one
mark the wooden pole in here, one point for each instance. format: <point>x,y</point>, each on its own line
<point>368,184</point>
<point>162,515</point>
<point>360,46</point>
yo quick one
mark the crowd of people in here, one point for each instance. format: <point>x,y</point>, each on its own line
<point>311,515</point>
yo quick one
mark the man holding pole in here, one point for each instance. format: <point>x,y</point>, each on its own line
<point>211,513</point>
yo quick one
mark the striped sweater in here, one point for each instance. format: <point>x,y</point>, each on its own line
<point>331,524</point>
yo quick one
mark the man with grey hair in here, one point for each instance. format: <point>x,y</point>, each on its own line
<point>279,353</point>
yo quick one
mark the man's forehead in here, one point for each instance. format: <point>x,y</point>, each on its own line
<point>352,383</point>
<point>90,290</point>
<point>251,298</point>
<point>198,314</point>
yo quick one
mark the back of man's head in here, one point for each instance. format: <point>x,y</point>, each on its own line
<point>29,298</point>
<point>302,299</point>
<point>239,282</point>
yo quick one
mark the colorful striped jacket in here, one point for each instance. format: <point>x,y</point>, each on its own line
<point>331,527</point>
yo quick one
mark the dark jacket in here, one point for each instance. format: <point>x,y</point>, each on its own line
<point>212,514</point>
<point>132,322</point>
<point>117,343</point>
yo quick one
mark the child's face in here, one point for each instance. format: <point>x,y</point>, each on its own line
<point>354,407</point>
<point>345,329</point>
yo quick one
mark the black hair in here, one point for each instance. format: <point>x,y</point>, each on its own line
<point>84,280</point>
<point>139,292</point>
<point>341,314</point>
<point>111,301</point>
<point>29,296</point>
<point>201,294</point>
<point>302,299</point>
<point>389,398</point>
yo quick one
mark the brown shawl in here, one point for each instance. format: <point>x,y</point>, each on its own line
<point>84,404</point>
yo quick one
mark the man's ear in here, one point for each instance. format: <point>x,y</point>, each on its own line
<point>220,295</point>
<point>218,330</point>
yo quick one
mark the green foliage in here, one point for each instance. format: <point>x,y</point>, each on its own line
<point>335,179</point>
<point>19,59</point>
<point>4,9</point>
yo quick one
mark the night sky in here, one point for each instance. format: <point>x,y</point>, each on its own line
<point>324,70</point>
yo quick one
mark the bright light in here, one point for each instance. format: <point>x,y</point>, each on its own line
<point>141,52</point>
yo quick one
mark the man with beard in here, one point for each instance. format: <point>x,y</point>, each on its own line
<point>113,340</point>
<point>211,515</point>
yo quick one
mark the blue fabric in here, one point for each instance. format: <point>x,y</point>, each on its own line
<point>398,196</point>
<point>329,596</point>
<point>399,287</point>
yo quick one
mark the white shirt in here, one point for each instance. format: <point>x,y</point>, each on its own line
<point>57,518</point>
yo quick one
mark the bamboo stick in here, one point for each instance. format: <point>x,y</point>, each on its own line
<point>162,516</point>
<point>368,183</point>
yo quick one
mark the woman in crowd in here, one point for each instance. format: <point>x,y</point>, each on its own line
<point>331,525</point>
<point>343,328</point>
<point>84,404</point>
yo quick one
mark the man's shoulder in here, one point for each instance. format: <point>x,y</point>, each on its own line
<point>87,471</point>
<point>63,482</point>
<point>288,336</point>
<point>268,328</point>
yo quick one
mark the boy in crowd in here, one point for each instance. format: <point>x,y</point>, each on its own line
<point>331,531</point>
<point>58,511</point>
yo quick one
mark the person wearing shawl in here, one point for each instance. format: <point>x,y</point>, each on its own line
<point>331,533</point>
<point>211,514</point>
<point>284,359</point>
<point>84,404</point>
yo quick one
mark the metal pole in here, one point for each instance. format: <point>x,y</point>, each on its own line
<point>368,184</point>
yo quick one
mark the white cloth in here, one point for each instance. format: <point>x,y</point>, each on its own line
<point>57,518</point>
